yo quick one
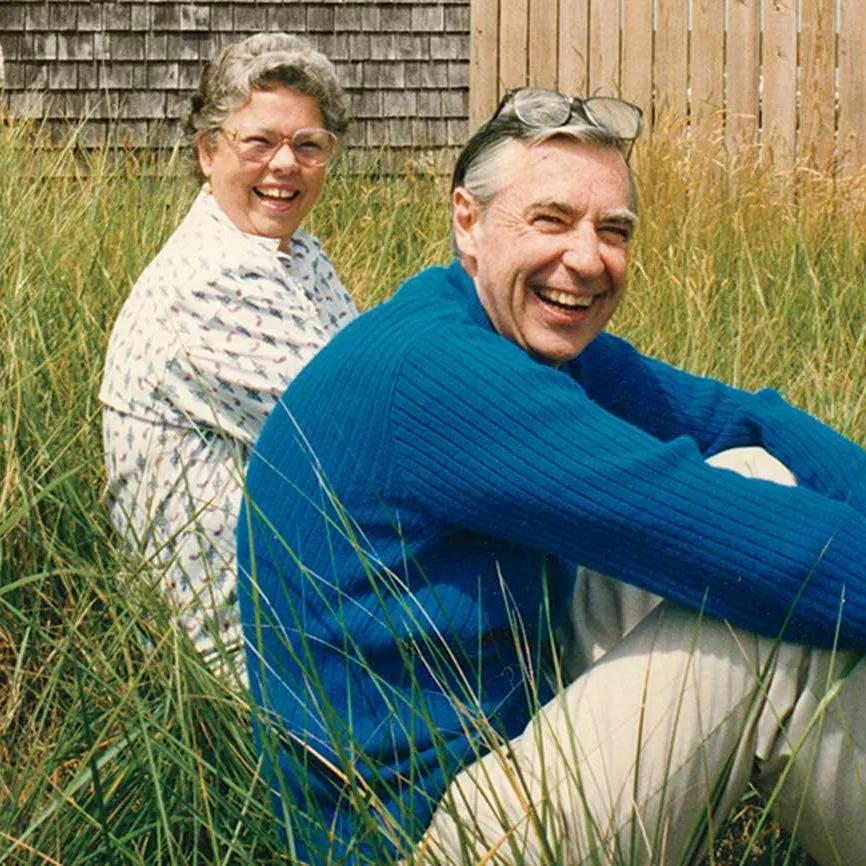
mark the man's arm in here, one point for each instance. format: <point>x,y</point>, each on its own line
<point>667,402</point>
<point>507,447</point>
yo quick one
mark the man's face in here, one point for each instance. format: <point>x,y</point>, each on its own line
<point>549,253</point>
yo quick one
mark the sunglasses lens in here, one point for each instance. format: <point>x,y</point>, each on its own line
<point>543,108</point>
<point>621,118</point>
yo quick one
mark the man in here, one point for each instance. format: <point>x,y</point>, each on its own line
<point>413,509</point>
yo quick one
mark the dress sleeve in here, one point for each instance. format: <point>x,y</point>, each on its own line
<point>510,448</point>
<point>253,330</point>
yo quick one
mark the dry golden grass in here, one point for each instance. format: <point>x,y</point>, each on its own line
<point>111,755</point>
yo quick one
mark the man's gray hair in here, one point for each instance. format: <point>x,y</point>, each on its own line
<point>482,168</point>
<point>262,62</point>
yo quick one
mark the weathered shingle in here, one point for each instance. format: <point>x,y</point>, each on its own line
<point>404,64</point>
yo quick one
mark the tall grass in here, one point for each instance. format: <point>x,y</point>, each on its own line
<point>110,754</point>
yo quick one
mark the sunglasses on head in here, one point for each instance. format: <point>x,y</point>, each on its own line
<point>548,109</point>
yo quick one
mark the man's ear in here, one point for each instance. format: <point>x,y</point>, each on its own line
<point>465,215</point>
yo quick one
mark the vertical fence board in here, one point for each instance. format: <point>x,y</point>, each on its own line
<point>483,61</point>
<point>815,144</point>
<point>603,48</point>
<point>743,70</point>
<point>779,96</point>
<point>637,55</point>
<point>707,68</point>
<point>513,43</point>
<point>543,27</point>
<point>852,85</point>
<point>670,60</point>
<point>573,40</point>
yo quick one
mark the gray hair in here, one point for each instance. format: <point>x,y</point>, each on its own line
<point>482,167</point>
<point>262,62</point>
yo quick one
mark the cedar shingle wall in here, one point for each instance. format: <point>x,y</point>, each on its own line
<point>404,64</point>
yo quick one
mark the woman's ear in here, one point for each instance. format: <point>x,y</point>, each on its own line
<point>465,216</point>
<point>204,149</point>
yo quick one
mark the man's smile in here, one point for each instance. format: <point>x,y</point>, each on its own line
<point>563,300</point>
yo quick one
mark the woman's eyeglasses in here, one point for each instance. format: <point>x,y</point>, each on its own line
<point>311,147</point>
<point>548,109</point>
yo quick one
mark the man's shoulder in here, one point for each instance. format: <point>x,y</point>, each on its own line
<point>424,325</point>
<point>419,314</point>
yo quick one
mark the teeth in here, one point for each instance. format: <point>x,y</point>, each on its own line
<point>279,193</point>
<point>565,299</point>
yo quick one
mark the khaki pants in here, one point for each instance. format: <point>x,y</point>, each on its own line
<point>641,757</point>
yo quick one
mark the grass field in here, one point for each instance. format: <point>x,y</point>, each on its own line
<point>112,755</point>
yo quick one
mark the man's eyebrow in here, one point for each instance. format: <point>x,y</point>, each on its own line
<point>620,215</point>
<point>624,215</point>
<point>551,204</point>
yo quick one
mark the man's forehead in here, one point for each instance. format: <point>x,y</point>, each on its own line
<point>560,173</point>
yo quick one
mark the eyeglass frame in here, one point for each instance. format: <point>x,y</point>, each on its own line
<point>232,136</point>
<point>572,102</point>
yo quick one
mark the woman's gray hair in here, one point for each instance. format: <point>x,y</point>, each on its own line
<point>482,168</point>
<point>262,62</point>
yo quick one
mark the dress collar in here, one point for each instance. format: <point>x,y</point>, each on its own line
<point>211,210</point>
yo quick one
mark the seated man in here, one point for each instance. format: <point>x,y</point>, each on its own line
<point>413,508</point>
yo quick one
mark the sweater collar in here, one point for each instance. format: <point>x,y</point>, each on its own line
<point>465,286</point>
<point>468,294</point>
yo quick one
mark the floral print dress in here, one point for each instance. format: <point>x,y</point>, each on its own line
<point>212,333</point>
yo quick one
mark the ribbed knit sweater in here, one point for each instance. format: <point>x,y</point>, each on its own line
<point>415,505</point>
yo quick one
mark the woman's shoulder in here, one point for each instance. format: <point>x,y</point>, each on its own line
<point>303,244</point>
<point>206,252</point>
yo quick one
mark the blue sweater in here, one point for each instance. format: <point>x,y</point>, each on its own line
<point>414,504</point>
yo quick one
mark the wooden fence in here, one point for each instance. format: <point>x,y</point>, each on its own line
<point>788,76</point>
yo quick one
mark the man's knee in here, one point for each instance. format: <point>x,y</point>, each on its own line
<point>754,462</point>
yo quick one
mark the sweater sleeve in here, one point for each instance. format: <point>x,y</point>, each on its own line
<point>503,446</point>
<point>667,402</point>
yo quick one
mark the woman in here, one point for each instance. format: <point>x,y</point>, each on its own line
<point>232,307</point>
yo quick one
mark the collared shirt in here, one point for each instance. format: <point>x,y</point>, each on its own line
<point>210,336</point>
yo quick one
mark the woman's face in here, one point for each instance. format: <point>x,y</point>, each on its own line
<point>267,198</point>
